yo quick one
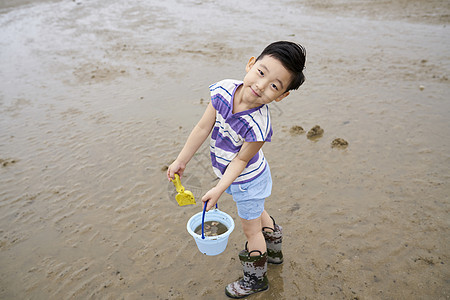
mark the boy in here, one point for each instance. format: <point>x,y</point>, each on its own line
<point>239,119</point>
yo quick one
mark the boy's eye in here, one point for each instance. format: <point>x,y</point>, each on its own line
<point>261,72</point>
<point>274,86</point>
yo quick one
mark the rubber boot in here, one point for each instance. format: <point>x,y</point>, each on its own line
<point>254,280</point>
<point>273,243</point>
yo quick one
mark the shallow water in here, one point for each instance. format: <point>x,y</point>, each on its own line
<point>97,99</point>
<point>211,228</point>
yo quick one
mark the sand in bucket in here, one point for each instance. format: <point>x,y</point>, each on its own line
<point>211,245</point>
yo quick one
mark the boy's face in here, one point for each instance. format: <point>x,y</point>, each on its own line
<point>266,81</point>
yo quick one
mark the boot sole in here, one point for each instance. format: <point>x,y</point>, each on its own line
<point>275,261</point>
<point>240,297</point>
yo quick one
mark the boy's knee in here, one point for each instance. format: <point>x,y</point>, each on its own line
<point>253,234</point>
<point>252,228</point>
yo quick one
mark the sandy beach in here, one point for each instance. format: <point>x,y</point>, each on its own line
<point>98,97</point>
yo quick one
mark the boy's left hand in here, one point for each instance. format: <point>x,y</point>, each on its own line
<point>212,196</point>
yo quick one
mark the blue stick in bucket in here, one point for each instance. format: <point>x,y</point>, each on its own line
<point>210,245</point>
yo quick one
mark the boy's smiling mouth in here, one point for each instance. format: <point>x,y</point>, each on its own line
<point>255,93</point>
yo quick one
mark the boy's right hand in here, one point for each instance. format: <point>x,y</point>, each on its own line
<point>176,167</point>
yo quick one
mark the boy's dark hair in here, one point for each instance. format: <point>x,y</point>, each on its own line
<point>292,56</point>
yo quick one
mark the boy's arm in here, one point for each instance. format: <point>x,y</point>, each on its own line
<point>234,169</point>
<point>198,135</point>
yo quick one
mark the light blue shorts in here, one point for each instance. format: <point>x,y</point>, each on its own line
<point>250,196</point>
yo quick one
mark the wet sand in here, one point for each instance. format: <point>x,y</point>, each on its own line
<point>97,99</point>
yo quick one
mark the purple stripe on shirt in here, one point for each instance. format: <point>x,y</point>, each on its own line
<point>226,144</point>
<point>253,159</point>
<point>221,105</point>
<point>217,165</point>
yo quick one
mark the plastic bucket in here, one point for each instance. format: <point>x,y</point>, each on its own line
<point>211,245</point>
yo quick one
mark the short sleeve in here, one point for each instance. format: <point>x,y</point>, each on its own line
<point>259,126</point>
<point>221,96</point>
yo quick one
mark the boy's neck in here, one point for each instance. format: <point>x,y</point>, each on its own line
<point>239,103</point>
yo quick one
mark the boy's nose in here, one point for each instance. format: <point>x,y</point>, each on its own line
<point>261,85</point>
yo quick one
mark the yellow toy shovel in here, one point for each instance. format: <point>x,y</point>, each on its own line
<point>183,197</point>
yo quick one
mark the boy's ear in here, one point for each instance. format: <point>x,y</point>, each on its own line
<point>250,63</point>
<point>284,95</point>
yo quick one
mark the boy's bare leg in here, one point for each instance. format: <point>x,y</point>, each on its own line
<point>266,221</point>
<point>254,264</point>
<point>253,232</point>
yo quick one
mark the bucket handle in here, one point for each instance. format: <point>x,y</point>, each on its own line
<point>203,220</point>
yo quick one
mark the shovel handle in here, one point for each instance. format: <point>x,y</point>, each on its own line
<point>177,183</point>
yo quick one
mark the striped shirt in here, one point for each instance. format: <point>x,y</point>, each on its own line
<point>231,130</point>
